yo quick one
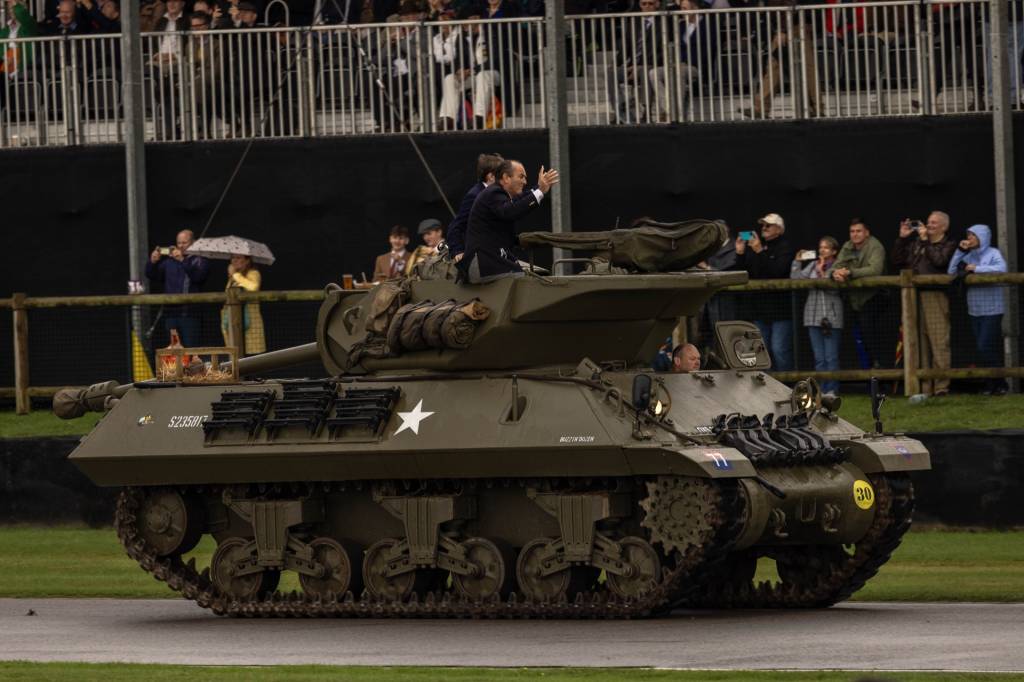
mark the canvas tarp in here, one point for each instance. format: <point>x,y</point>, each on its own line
<point>648,247</point>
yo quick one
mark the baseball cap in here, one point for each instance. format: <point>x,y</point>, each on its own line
<point>428,225</point>
<point>773,219</point>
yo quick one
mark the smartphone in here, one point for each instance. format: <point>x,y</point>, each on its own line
<point>747,235</point>
<point>807,254</point>
<point>165,251</point>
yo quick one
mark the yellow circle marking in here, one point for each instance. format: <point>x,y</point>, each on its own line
<point>863,494</point>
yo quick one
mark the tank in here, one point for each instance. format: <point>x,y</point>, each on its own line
<point>505,450</point>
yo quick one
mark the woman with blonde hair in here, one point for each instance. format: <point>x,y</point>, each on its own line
<point>242,274</point>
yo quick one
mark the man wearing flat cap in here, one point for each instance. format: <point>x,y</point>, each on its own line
<point>430,231</point>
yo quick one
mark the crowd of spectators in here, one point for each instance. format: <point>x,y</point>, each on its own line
<point>924,247</point>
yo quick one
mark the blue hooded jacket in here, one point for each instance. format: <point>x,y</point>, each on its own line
<point>982,301</point>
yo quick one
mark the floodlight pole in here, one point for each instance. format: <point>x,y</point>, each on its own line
<point>135,164</point>
<point>1002,151</point>
<point>557,114</point>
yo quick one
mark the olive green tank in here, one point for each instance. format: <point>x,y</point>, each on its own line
<point>504,450</point>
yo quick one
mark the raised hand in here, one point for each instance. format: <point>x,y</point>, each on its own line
<point>546,179</point>
<point>905,229</point>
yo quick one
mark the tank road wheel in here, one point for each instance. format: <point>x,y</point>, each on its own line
<point>338,576</point>
<point>494,564</point>
<point>170,523</point>
<point>225,565</point>
<point>528,572</point>
<point>646,565</point>
<point>395,587</point>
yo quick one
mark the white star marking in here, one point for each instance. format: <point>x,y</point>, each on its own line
<point>411,420</point>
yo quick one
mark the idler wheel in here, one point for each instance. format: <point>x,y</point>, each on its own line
<point>532,582</point>
<point>646,569</point>
<point>338,577</point>
<point>493,563</point>
<point>170,523</point>
<point>375,563</point>
<point>227,562</point>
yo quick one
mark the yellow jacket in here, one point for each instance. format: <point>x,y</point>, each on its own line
<point>255,339</point>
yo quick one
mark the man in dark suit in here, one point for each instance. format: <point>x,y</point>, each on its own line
<point>486,167</point>
<point>492,230</point>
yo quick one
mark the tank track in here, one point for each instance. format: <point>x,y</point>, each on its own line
<point>689,570</point>
<point>835,580</point>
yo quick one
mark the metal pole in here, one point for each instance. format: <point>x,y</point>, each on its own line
<point>557,114</point>
<point>1002,151</point>
<point>135,157</point>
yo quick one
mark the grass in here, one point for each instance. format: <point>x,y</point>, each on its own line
<point>44,423</point>
<point>113,672</point>
<point>937,414</point>
<point>929,566</point>
<point>949,413</point>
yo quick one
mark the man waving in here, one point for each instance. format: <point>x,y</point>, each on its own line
<point>492,234</point>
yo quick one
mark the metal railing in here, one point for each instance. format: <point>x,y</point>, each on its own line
<point>290,318</point>
<point>898,58</point>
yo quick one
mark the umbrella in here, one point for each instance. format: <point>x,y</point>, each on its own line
<point>226,247</point>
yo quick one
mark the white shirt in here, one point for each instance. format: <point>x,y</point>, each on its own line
<point>170,44</point>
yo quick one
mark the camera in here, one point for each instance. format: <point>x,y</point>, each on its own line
<point>747,235</point>
<point>915,224</point>
<point>165,250</point>
<point>826,327</point>
<point>806,254</point>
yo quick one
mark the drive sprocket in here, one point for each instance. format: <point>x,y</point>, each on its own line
<point>678,510</point>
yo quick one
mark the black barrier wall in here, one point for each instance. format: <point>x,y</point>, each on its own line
<point>977,479</point>
<point>325,205</point>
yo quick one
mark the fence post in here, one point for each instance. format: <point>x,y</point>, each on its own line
<point>22,404</point>
<point>236,321</point>
<point>908,319</point>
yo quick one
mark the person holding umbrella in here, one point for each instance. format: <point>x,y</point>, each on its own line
<point>243,254</point>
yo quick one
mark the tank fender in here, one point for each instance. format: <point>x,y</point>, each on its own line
<point>710,461</point>
<point>875,454</point>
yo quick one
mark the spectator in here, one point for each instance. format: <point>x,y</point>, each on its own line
<point>169,54</point>
<point>770,259</point>
<point>179,273</point>
<point>207,71</point>
<point>149,13</point>
<point>437,8</point>
<point>102,17</point>
<point>392,264</point>
<point>927,249</point>
<point>501,9</point>
<point>823,311</point>
<point>430,231</point>
<point>392,86</point>
<point>985,305</point>
<point>771,81</point>
<point>486,166</point>
<point>15,58</point>
<point>247,15</point>
<point>638,56</point>
<point>696,50</point>
<point>243,274</point>
<point>69,21</point>
<point>685,358</point>
<point>864,256</point>
<point>472,72</point>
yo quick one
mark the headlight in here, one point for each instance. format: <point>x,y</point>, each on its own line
<point>806,396</point>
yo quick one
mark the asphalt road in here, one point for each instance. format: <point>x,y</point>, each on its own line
<point>864,636</point>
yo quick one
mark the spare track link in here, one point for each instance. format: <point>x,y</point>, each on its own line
<point>678,583</point>
<point>838,580</point>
